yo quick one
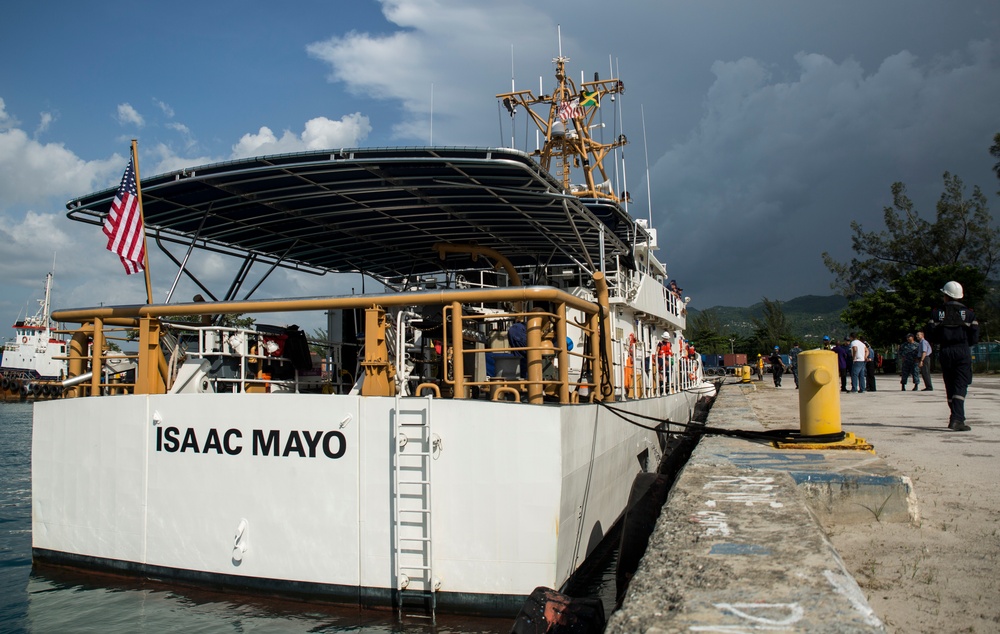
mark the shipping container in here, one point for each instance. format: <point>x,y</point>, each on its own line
<point>711,360</point>
<point>730,360</point>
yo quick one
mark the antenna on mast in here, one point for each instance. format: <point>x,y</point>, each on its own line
<point>512,89</point>
<point>611,68</point>
<point>621,129</point>
<point>645,150</point>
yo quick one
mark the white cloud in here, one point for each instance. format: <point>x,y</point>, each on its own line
<point>45,120</point>
<point>6,121</point>
<point>167,160</point>
<point>33,173</point>
<point>127,114</point>
<point>179,127</point>
<point>319,133</point>
<point>165,108</point>
<point>441,47</point>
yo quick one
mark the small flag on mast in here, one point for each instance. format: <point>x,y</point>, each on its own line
<point>569,109</point>
<point>123,225</point>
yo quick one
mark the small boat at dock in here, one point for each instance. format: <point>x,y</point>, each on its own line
<point>34,359</point>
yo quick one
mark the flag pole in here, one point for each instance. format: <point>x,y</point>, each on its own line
<point>142,221</point>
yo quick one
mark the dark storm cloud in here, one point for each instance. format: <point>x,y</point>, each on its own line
<point>778,167</point>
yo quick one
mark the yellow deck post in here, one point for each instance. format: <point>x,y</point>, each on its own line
<point>378,370</point>
<point>606,386</point>
<point>149,376</point>
<point>534,353</point>
<point>97,357</point>
<point>457,350</point>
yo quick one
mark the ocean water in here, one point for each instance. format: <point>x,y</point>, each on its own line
<point>50,599</point>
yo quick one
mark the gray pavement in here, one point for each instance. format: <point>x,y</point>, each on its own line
<point>742,544</point>
<point>739,546</point>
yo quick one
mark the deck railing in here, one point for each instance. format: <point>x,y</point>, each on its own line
<point>547,354</point>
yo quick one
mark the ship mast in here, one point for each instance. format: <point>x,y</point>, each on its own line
<point>47,305</point>
<point>566,127</point>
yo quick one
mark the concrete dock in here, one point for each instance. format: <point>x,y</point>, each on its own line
<point>742,544</point>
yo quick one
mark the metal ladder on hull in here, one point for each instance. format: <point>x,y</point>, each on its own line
<point>416,586</point>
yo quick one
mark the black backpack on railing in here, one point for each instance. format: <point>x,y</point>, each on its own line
<point>297,349</point>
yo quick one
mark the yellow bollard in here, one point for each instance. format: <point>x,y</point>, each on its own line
<point>819,393</point>
<point>745,374</point>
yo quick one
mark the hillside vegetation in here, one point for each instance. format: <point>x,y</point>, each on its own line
<point>810,317</point>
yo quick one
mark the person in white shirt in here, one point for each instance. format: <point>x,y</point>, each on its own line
<point>859,353</point>
<point>924,361</point>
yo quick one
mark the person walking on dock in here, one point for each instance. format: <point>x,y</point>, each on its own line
<point>953,327</point>
<point>793,358</point>
<point>777,366</point>
<point>924,361</point>
<point>859,352</point>
<point>907,355</point>
<point>843,360</point>
<point>869,366</point>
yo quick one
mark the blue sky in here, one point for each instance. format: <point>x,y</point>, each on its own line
<point>770,125</point>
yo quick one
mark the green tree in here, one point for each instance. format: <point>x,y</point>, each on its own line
<point>885,315</point>
<point>895,278</point>
<point>963,234</point>
<point>704,330</point>
<point>771,328</point>
<point>318,342</point>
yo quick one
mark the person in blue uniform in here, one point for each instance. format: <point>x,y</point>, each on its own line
<point>517,337</point>
<point>954,329</point>
<point>777,366</point>
<point>843,360</point>
<point>907,356</point>
<point>793,359</point>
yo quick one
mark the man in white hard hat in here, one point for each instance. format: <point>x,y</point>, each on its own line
<point>953,327</point>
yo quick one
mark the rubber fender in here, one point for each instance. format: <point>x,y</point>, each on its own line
<point>548,611</point>
<point>645,500</point>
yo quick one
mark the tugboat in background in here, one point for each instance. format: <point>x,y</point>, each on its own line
<point>34,361</point>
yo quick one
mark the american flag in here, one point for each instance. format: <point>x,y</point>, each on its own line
<point>570,109</point>
<point>123,226</point>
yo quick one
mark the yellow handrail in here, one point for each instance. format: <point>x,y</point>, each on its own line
<point>152,374</point>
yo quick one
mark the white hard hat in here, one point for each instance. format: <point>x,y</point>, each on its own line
<point>953,290</point>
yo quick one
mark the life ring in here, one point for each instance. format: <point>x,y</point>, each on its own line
<point>24,339</point>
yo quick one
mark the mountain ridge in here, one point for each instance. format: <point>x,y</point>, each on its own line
<point>809,316</point>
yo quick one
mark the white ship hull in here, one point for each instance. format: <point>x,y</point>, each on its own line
<point>161,485</point>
